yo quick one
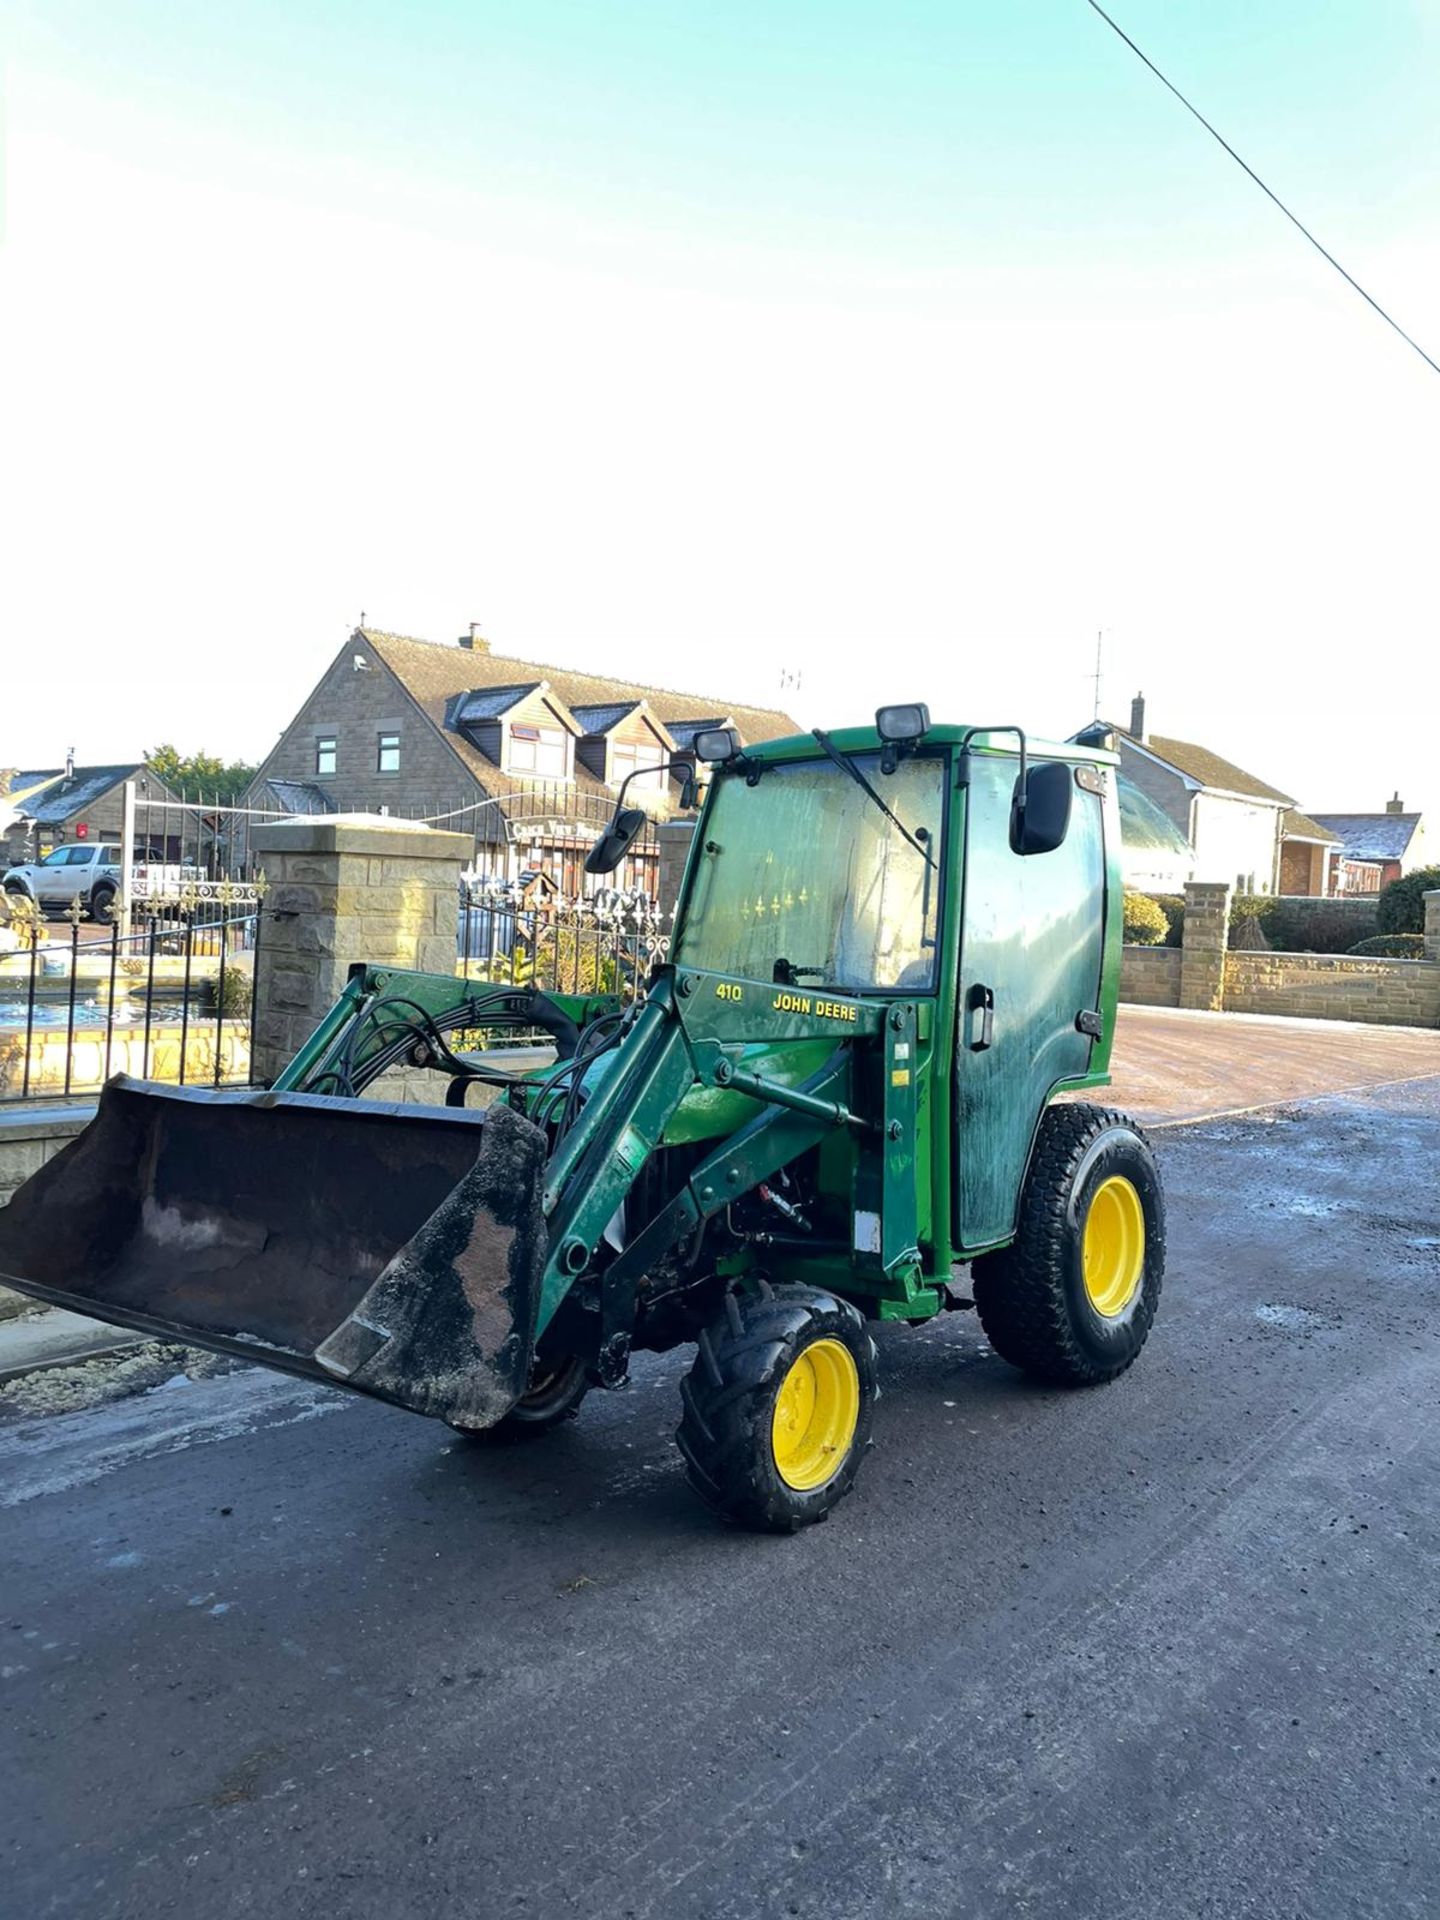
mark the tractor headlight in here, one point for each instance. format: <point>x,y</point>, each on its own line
<point>714,744</point>
<point>903,723</point>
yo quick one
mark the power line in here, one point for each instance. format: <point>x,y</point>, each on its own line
<point>1324,252</point>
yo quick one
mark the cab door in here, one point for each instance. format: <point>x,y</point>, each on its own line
<point>1031,945</point>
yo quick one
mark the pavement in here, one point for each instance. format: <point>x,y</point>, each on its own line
<point>1166,1647</point>
<point>50,1337</point>
<point>1172,1067</point>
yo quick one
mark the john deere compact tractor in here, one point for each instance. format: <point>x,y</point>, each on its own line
<point>895,958</point>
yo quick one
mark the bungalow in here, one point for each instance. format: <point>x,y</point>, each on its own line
<point>1376,848</point>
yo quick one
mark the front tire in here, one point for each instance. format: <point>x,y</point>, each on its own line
<point>1071,1300</point>
<point>552,1398</point>
<point>778,1407</point>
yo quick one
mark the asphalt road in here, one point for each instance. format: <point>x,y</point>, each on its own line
<point>1165,1648</point>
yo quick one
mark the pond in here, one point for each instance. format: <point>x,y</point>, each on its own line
<point>52,1012</point>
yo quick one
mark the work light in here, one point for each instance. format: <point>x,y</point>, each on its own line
<point>714,744</point>
<point>903,723</point>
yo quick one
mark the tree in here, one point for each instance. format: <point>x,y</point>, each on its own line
<point>200,776</point>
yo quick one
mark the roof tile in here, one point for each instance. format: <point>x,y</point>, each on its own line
<point>1208,768</point>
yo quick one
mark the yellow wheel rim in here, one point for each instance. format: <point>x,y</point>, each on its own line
<point>1113,1249</point>
<point>816,1412</point>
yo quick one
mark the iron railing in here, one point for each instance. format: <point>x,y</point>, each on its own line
<point>524,934</point>
<point>174,1001</point>
<point>546,827</point>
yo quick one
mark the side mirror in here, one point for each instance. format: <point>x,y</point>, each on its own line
<point>612,846</point>
<point>1041,815</point>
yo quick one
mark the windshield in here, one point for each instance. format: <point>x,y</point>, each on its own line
<point>810,873</point>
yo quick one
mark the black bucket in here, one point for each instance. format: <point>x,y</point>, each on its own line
<point>394,1249</point>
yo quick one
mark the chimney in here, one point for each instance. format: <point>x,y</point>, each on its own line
<point>474,640</point>
<point>1397,805</point>
<point>1137,718</point>
<point>70,763</point>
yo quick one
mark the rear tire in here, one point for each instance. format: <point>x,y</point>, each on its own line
<point>778,1407</point>
<point>552,1398</point>
<point>1072,1298</point>
<point>102,905</point>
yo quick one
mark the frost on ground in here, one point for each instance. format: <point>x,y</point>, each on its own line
<point>159,1364</point>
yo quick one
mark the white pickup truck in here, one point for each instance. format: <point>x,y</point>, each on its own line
<point>83,869</point>
<point>90,872</point>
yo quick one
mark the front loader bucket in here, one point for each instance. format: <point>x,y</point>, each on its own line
<point>394,1249</point>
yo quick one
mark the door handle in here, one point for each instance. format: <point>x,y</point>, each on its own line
<point>981,1000</point>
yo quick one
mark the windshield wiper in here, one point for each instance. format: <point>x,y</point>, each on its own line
<point>848,766</point>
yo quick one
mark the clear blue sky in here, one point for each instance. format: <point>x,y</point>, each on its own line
<point>901,345</point>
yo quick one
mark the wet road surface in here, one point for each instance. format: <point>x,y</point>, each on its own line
<point>1165,1648</point>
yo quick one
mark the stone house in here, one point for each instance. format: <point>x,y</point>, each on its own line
<point>56,804</point>
<point>526,756</point>
<point>1379,847</point>
<point>1232,820</point>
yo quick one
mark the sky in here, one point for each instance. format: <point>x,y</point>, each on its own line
<point>894,349</point>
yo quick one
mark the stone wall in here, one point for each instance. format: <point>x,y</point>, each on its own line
<point>1150,976</point>
<point>1204,973</point>
<point>62,1063</point>
<point>1329,986</point>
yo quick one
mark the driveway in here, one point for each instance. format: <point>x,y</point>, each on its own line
<point>1171,1067</point>
<point>1165,1648</point>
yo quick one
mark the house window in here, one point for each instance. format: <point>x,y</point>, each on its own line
<point>325,753</point>
<point>387,756</point>
<point>626,758</point>
<point>540,750</point>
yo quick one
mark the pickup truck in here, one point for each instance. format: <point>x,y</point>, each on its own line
<point>83,868</point>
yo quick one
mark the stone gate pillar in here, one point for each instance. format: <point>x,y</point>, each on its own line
<point>673,838</point>
<point>1203,947</point>
<point>1432,923</point>
<point>344,888</point>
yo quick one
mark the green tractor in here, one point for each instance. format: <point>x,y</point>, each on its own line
<point>895,950</point>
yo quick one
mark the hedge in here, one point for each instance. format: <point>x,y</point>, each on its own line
<point>1401,909</point>
<point>1305,925</point>
<point>1393,946</point>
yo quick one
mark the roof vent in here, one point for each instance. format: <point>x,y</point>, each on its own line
<point>1137,718</point>
<point>1397,805</point>
<point>474,641</point>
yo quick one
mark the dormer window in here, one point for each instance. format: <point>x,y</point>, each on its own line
<point>631,757</point>
<point>543,751</point>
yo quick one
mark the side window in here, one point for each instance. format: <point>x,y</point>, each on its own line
<point>387,753</point>
<point>110,856</point>
<point>325,753</point>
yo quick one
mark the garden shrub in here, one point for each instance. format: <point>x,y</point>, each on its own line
<point>1145,922</point>
<point>1172,905</point>
<point>1247,934</point>
<point>1392,946</point>
<point>1402,909</point>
